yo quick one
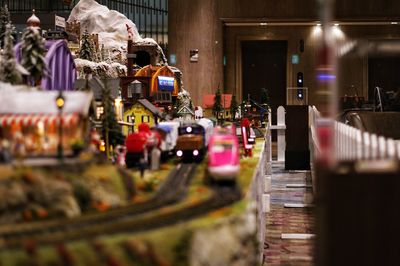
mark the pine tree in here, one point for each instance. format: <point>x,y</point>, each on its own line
<point>33,51</point>
<point>111,130</point>
<point>234,107</point>
<point>8,67</point>
<point>264,96</point>
<point>217,108</point>
<point>86,52</point>
<point>4,20</point>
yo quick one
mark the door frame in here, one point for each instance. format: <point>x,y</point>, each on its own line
<point>239,74</point>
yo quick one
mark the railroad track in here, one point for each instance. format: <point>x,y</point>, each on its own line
<point>171,191</point>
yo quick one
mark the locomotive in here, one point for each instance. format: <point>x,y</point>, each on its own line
<point>193,138</point>
<point>223,154</point>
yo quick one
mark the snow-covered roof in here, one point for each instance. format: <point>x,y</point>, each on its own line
<point>185,110</point>
<point>26,100</point>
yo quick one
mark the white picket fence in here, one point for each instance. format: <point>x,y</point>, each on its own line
<point>280,127</point>
<point>352,143</point>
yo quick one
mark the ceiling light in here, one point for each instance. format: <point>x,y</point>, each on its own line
<point>394,23</point>
<point>263,24</point>
<point>336,24</point>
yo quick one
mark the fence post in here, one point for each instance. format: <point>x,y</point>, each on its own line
<point>366,146</point>
<point>280,127</point>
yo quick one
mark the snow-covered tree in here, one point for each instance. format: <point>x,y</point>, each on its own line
<point>33,51</point>
<point>9,71</point>
<point>217,107</point>
<point>86,52</point>
<point>4,20</point>
<point>234,107</point>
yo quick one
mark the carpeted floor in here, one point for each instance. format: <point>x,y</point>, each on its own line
<point>289,220</point>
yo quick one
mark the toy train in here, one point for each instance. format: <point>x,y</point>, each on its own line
<point>193,140</point>
<point>187,141</point>
<point>223,155</point>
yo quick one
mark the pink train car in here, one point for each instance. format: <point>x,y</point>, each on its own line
<point>223,154</point>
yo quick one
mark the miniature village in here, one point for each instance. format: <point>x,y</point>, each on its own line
<point>106,160</point>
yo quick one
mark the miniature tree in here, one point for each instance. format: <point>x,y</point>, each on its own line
<point>217,107</point>
<point>86,52</point>
<point>111,130</point>
<point>8,67</point>
<point>264,96</point>
<point>4,20</point>
<point>33,51</point>
<point>234,107</point>
<point>265,106</point>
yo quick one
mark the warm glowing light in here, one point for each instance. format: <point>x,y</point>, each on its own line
<point>189,129</point>
<point>179,153</point>
<point>394,23</point>
<point>263,24</point>
<point>60,102</point>
<point>102,146</point>
<point>336,24</point>
<point>195,152</point>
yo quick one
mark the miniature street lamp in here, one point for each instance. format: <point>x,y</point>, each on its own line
<point>60,101</point>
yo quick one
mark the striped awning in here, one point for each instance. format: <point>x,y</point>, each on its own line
<point>34,119</point>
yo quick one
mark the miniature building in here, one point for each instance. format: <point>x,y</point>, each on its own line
<point>147,54</point>
<point>94,38</point>
<point>33,21</point>
<point>142,111</point>
<point>60,62</point>
<point>208,103</point>
<point>30,119</point>
<point>186,113</point>
<point>74,28</point>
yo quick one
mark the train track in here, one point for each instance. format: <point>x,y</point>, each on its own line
<point>127,220</point>
<point>171,191</point>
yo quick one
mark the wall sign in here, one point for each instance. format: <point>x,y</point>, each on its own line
<point>194,55</point>
<point>295,59</point>
<point>172,59</point>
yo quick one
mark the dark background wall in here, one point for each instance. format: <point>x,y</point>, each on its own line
<point>204,25</point>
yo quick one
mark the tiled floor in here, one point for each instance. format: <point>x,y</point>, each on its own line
<point>289,220</point>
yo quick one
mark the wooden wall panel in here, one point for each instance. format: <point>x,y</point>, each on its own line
<point>196,24</point>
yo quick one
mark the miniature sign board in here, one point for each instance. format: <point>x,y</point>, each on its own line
<point>194,55</point>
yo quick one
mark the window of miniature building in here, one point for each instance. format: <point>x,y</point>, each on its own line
<point>145,119</point>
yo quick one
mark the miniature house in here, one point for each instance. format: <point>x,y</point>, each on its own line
<point>186,113</point>
<point>208,103</point>
<point>142,111</point>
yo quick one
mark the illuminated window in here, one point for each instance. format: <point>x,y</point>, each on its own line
<point>99,111</point>
<point>145,119</point>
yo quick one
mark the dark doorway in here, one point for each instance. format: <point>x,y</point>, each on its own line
<point>264,66</point>
<point>142,58</point>
<point>383,72</point>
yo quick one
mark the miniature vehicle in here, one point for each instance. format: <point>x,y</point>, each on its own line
<point>223,155</point>
<point>170,136</point>
<point>139,144</point>
<point>191,143</point>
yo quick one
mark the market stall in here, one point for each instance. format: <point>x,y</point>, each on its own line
<point>30,120</point>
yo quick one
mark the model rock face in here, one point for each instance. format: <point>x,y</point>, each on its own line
<point>109,24</point>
